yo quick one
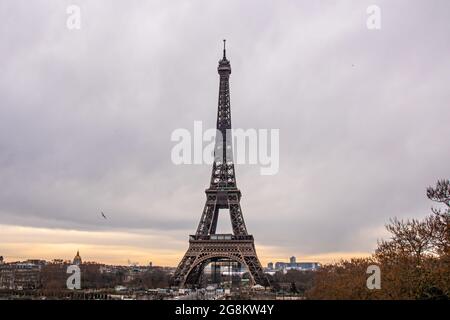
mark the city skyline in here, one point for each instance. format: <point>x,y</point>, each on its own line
<point>86,119</point>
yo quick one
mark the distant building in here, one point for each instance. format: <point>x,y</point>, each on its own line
<point>20,275</point>
<point>37,262</point>
<point>57,261</point>
<point>1,259</point>
<point>293,265</point>
<point>77,260</point>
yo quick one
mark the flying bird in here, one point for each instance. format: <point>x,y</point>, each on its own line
<point>103,215</point>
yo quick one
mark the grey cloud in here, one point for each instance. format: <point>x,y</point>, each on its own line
<point>86,116</point>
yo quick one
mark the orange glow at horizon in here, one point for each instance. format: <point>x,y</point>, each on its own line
<point>120,248</point>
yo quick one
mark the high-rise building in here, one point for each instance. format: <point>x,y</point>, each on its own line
<point>294,265</point>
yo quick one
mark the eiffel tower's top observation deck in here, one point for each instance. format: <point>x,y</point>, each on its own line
<point>224,67</point>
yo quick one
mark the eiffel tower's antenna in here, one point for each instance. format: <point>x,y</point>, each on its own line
<point>224,49</point>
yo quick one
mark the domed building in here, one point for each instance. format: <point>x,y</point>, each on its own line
<point>77,259</point>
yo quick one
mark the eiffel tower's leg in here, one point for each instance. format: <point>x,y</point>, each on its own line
<point>237,220</point>
<point>256,270</point>
<point>213,228</point>
<point>183,268</point>
<point>194,275</point>
<point>189,270</point>
<point>206,220</point>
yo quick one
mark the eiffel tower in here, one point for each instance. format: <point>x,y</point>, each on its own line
<point>206,246</point>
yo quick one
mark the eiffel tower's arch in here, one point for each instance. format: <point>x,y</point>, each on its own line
<point>195,271</point>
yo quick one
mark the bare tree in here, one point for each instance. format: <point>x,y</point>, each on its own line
<point>414,261</point>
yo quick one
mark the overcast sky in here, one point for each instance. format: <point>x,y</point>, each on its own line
<point>86,117</point>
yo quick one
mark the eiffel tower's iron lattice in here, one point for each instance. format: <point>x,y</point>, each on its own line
<point>206,246</point>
